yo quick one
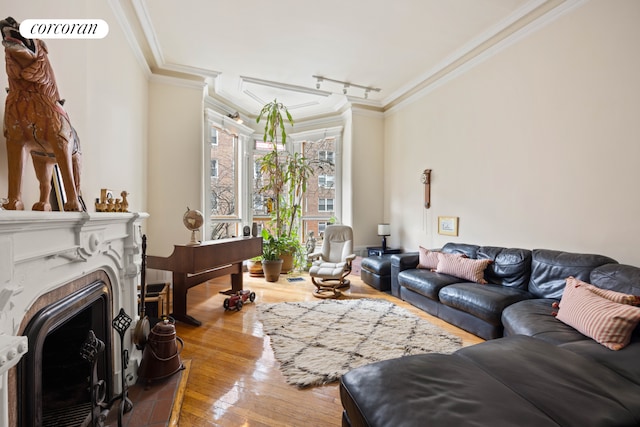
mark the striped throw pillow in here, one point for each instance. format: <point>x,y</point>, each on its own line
<point>428,259</point>
<point>607,322</point>
<point>619,297</point>
<point>464,268</point>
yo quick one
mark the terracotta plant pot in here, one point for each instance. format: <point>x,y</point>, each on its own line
<point>287,262</point>
<point>272,270</point>
<point>255,268</point>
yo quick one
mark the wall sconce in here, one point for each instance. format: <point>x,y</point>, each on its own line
<point>384,230</point>
<point>235,116</point>
<point>426,180</point>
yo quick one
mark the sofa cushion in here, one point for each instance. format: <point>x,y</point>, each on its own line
<point>483,301</point>
<point>533,318</point>
<point>515,381</point>
<point>624,362</point>
<point>549,270</point>
<point>464,268</point>
<point>432,390</point>
<point>510,266</point>
<point>607,322</point>
<point>618,277</point>
<point>425,282</point>
<point>571,389</point>
<point>469,251</point>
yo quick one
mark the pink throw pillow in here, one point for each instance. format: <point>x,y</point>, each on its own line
<point>464,268</point>
<point>607,322</point>
<point>427,259</point>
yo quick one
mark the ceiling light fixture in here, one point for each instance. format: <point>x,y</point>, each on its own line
<point>235,116</point>
<point>346,85</point>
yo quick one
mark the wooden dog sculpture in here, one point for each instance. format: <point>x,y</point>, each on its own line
<point>35,121</point>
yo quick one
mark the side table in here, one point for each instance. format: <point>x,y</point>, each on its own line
<point>378,251</point>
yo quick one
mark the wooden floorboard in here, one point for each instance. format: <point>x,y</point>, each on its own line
<point>235,379</point>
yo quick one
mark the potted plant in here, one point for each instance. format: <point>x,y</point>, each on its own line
<point>271,261</point>
<point>287,176</point>
<point>254,265</point>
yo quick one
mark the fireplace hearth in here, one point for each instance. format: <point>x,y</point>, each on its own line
<point>63,274</point>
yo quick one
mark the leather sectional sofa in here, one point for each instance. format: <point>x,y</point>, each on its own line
<point>542,372</point>
<point>514,275</point>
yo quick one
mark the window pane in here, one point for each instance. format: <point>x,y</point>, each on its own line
<point>318,206</point>
<point>214,168</point>
<point>223,230</point>
<point>224,182</point>
<point>263,199</point>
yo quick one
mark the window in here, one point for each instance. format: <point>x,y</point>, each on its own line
<point>214,168</point>
<point>325,181</point>
<point>232,177</point>
<point>325,205</point>
<point>322,226</point>
<point>326,156</point>
<point>223,189</point>
<point>262,200</point>
<point>214,137</point>
<point>324,186</point>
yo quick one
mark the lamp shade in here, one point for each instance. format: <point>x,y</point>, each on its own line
<point>384,230</point>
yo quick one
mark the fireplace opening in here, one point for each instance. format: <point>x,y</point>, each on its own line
<point>53,378</point>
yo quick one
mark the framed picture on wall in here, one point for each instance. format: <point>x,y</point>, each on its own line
<point>448,225</point>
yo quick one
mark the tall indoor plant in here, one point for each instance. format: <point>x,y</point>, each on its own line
<point>287,176</point>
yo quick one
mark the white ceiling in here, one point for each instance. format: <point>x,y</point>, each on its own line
<point>254,50</point>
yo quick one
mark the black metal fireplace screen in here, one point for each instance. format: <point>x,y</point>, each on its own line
<point>54,381</point>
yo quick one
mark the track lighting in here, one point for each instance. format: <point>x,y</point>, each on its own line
<point>346,86</point>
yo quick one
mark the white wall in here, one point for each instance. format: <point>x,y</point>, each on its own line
<point>538,146</point>
<point>176,117</point>
<point>367,169</point>
<point>106,97</point>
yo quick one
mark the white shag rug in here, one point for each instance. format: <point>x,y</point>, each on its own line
<point>316,342</point>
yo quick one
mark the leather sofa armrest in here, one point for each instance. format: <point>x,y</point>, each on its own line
<point>405,261</point>
<point>400,262</point>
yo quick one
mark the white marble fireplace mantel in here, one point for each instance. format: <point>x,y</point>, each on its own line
<point>42,251</point>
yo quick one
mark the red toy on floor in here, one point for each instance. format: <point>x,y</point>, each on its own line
<point>235,302</point>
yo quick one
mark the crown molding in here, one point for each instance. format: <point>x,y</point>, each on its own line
<point>465,50</point>
<point>178,81</point>
<point>544,14</point>
<point>134,18</point>
<point>129,34</point>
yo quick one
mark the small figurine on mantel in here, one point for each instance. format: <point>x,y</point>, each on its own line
<point>108,203</point>
<point>125,203</point>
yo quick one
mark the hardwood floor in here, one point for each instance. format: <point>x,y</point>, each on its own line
<point>235,379</point>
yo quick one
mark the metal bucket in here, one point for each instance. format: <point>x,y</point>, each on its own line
<point>161,355</point>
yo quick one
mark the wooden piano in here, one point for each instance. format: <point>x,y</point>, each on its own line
<point>194,264</point>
